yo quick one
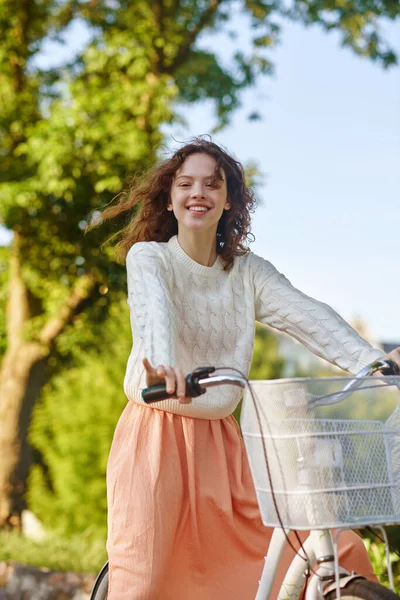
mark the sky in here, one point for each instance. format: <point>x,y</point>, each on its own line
<point>328,146</point>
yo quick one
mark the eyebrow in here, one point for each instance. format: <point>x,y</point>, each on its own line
<point>212,177</point>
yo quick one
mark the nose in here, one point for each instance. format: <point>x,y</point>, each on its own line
<point>197,191</point>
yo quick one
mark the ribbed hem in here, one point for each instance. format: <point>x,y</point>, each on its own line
<point>192,410</point>
<point>191,264</point>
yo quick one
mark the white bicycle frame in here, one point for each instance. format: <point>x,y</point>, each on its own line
<point>321,550</point>
<point>320,546</point>
<point>322,555</point>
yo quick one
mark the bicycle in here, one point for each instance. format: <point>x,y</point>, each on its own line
<point>325,479</point>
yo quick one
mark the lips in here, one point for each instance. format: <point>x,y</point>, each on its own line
<point>198,208</point>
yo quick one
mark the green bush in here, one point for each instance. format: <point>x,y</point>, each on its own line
<point>72,430</point>
<point>377,556</point>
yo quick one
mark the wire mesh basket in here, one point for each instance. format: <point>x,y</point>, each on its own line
<point>323,458</point>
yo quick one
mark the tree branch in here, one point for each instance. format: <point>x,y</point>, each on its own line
<point>203,21</point>
<point>78,296</point>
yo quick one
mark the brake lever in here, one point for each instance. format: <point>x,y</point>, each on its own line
<point>385,366</point>
<point>193,388</point>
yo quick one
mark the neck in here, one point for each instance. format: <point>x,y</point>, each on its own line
<point>200,246</point>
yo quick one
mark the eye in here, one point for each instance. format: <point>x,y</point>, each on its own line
<point>183,185</point>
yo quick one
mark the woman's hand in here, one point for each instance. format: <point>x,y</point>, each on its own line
<point>173,378</point>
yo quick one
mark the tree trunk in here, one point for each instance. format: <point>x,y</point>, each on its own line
<point>22,374</point>
<point>38,376</point>
<point>17,369</point>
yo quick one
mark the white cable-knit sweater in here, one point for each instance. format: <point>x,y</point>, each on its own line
<point>188,315</point>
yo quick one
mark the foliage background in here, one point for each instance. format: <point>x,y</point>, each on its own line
<point>70,136</point>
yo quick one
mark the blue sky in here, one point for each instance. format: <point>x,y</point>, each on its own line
<point>329,148</point>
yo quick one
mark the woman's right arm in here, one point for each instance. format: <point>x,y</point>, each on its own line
<point>153,314</point>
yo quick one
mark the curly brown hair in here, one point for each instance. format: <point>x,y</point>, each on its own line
<point>153,222</point>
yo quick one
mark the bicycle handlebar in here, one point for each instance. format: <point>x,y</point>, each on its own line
<point>198,380</point>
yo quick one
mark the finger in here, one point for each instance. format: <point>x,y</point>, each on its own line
<point>180,383</point>
<point>160,370</point>
<point>147,365</point>
<point>185,400</point>
<point>170,380</point>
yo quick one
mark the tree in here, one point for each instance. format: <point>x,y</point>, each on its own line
<point>69,137</point>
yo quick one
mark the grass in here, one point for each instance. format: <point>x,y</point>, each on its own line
<point>81,554</point>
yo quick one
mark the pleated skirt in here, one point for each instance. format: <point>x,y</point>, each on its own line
<point>183,518</point>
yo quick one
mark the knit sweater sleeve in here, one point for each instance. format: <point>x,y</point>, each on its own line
<point>315,324</point>
<point>149,299</point>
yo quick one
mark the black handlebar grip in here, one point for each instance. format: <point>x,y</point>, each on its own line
<point>391,369</point>
<point>155,393</point>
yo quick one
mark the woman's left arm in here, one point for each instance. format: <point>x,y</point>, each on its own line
<point>315,324</point>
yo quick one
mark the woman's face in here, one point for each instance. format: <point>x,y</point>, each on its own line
<point>198,196</point>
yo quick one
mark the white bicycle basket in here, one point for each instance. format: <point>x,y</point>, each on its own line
<point>334,459</point>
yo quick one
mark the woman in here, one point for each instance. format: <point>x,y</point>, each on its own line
<point>184,522</point>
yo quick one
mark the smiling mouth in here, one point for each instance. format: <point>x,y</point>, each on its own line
<point>198,209</point>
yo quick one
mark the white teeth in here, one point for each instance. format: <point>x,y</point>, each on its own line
<point>198,208</point>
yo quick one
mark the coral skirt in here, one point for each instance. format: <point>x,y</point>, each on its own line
<point>183,520</point>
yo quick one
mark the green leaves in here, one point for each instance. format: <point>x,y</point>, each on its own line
<point>377,556</point>
<point>358,22</point>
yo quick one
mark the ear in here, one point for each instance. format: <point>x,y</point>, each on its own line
<point>228,204</point>
<point>169,206</point>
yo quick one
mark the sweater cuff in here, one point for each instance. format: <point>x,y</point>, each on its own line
<point>368,356</point>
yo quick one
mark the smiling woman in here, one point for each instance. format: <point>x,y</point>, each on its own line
<point>183,515</point>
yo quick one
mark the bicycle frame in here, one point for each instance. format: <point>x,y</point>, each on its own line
<point>320,550</point>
